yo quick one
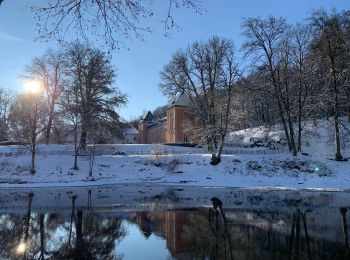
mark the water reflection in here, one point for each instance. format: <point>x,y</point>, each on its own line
<point>85,230</point>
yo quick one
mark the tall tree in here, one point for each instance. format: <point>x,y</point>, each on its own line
<point>27,121</point>
<point>206,72</point>
<point>71,111</point>
<point>48,70</point>
<point>332,44</point>
<point>268,41</point>
<point>6,101</point>
<point>303,69</point>
<point>90,71</point>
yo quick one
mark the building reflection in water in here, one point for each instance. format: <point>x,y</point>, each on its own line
<point>88,232</point>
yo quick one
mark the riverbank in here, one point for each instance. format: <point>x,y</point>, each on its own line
<point>278,171</point>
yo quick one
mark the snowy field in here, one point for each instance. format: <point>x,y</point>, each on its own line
<point>242,166</point>
<point>278,171</point>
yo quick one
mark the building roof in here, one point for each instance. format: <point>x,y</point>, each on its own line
<point>148,116</point>
<point>131,131</point>
<point>181,100</point>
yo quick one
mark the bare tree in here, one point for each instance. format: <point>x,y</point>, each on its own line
<point>28,122</point>
<point>48,69</point>
<point>91,73</point>
<point>332,47</point>
<point>268,41</point>
<point>71,111</point>
<point>6,101</point>
<point>303,69</point>
<point>206,72</point>
<point>109,20</point>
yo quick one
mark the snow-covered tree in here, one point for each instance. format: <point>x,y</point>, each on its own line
<point>268,41</point>
<point>27,121</point>
<point>48,69</point>
<point>91,75</point>
<point>206,72</point>
<point>332,48</point>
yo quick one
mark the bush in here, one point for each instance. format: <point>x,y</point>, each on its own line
<point>254,166</point>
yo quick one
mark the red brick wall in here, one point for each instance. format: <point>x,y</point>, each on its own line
<point>157,134</point>
<point>170,132</point>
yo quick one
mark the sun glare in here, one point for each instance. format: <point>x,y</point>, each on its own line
<point>33,87</point>
<point>21,248</point>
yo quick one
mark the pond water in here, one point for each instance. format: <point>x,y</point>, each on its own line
<point>178,222</point>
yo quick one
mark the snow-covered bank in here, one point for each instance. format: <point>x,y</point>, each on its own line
<point>245,165</point>
<point>280,171</point>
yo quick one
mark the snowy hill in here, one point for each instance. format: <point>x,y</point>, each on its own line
<point>317,138</point>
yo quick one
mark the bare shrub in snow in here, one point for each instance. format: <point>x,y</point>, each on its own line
<point>158,150</point>
<point>173,165</point>
<point>254,166</point>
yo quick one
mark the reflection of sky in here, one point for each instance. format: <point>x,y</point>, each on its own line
<point>135,246</point>
<point>58,237</point>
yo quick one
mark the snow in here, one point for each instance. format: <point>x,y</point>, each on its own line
<point>258,168</point>
<point>249,171</point>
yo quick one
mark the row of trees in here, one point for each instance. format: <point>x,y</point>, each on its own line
<point>299,65</point>
<point>297,72</point>
<point>70,93</point>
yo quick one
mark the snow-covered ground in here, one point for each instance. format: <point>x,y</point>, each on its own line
<point>257,167</point>
<point>279,170</point>
<point>317,137</point>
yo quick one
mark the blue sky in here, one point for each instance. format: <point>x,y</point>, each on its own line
<point>138,68</point>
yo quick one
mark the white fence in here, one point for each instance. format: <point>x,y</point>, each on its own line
<point>100,151</point>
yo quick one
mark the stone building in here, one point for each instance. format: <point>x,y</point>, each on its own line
<point>171,129</point>
<point>131,136</point>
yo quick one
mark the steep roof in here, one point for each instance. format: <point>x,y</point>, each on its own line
<point>148,116</point>
<point>181,100</point>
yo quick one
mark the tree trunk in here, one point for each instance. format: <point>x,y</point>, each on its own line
<point>338,156</point>
<point>284,123</point>
<point>345,226</point>
<point>49,123</point>
<point>299,136</point>
<point>32,170</point>
<point>79,235</point>
<point>292,139</point>
<point>48,130</point>
<point>300,111</point>
<point>83,139</point>
<point>71,220</point>
<point>75,166</point>
<point>29,212</point>
<point>76,148</point>
<point>42,236</point>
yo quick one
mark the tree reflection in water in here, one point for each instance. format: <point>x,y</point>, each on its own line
<point>90,237</point>
<point>85,231</point>
<point>95,237</point>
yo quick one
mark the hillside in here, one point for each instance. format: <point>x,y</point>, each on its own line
<point>317,138</point>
